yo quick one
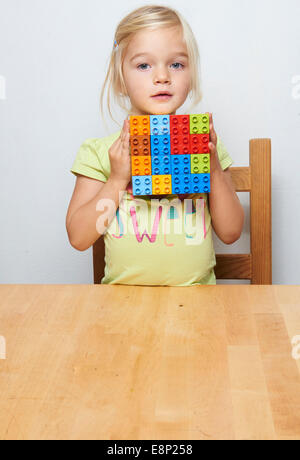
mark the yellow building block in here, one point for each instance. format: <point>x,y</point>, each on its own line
<point>162,185</point>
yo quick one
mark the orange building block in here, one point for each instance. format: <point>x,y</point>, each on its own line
<point>140,125</point>
<point>141,165</point>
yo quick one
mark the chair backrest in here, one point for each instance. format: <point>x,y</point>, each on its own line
<point>256,179</point>
<point>257,265</point>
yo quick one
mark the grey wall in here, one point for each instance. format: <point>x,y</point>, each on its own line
<point>53,57</point>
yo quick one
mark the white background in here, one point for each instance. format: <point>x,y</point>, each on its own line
<point>53,58</point>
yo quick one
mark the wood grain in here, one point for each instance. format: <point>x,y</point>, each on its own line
<point>140,362</point>
<point>261,211</point>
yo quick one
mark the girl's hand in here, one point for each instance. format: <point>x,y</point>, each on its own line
<point>119,155</point>
<point>215,164</point>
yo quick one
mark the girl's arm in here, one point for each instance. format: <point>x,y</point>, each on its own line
<point>82,216</point>
<point>82,221</point>
<point>226,211</point>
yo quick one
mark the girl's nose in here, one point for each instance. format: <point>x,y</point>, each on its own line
<point>162,76</point>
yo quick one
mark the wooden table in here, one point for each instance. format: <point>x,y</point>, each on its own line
<point>142,362</point>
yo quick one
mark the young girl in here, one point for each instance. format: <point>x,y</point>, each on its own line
<point>163,240</point>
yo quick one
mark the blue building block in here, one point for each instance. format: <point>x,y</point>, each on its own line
<point>181,183</point>
<point>159,124</point>
<point>142,185</point>
<point>181,164</point>
<point>200,183</point>
<point>161,165</point>
<point>160,145</point>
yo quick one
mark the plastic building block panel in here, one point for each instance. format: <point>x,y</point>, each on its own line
<point>141,165</point>
<point>181,164</point>
<point>200,164</point>
<point>140,125</point>
<point>140,145</point>
<point>160,145</point>
<point>142,185</point>
<point>159,125</point>
<point>200,183</point>
<point>162,185</point>
<point>170,154</point>
<point>161,165</point>
<point>181,183</point>
<point>199,124</point>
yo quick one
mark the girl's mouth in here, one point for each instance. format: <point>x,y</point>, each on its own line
<point>162,97</point>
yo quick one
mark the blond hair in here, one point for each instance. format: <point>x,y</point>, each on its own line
<point>148,17</point>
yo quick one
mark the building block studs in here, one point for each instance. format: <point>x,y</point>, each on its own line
<point>170,154</point>
<point>199,124</point>
<point>162,185</point>
<point>199,143</point>
<point>161,165</point>
<point>140,145</point>
<point>200,183</point>
<point>141,165</point>
<point>200,164</point>
<point>160,145</point>
<point>142,185</point>
<point>140,125</point>
<point>181,184</point>
<point>181,164</point>
<point>180,145</point>
<point>159,125</point>
<point>179,125</point>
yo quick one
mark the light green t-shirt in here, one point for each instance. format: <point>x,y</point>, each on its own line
<point>153,241</point>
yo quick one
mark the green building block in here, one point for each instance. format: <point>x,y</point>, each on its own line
<point>200,163</point>
<point>199,123</point>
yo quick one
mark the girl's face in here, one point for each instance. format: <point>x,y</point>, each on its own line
<point>162,66</point>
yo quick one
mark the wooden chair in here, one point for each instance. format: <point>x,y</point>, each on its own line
<point>256,266</point>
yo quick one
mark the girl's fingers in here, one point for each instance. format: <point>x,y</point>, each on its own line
<point>122,134</point>
<point>126,142</point>
<point>212,132</point>
<point>212,148</point>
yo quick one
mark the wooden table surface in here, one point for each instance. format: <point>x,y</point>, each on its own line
<point>141,362</point>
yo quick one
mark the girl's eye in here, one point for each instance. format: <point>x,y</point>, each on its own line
<point>141,66</point>
<point>178,64</point>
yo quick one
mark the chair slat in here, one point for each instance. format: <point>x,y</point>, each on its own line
<point>233,266</point>
<point>99,259</point>
<point>260,211</point>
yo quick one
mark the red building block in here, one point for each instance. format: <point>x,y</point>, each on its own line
<point>180,145</point>
<point>199,143</point>
<point>179,125</point>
